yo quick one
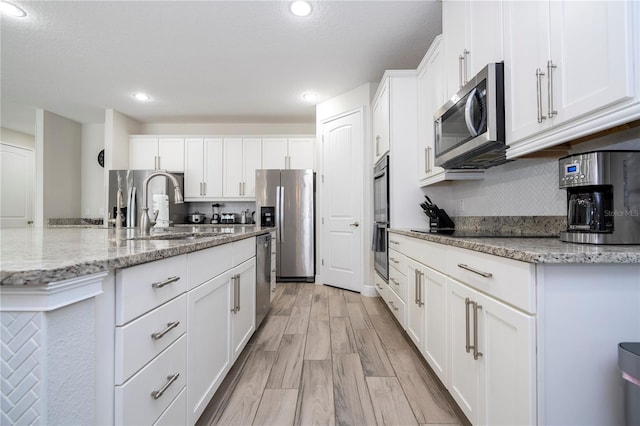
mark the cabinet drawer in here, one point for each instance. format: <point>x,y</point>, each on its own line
<point>398,261</point>
<point>206,264</point>
<point>396,306</point>
<point>398,283</point>
<point>505,279</point>
<point>134,402</point>
<point>431,254</point>
<point>176,414</point>
<point>135,345</point>
<point>141,288</point>
<point>244,250</point>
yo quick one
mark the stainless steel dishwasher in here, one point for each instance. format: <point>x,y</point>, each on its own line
<point>263,277</point>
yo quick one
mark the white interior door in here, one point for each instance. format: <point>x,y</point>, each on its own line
<point>342,247</point>
<point>16,186</point>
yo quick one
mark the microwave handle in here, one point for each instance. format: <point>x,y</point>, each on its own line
<point>467,113</point>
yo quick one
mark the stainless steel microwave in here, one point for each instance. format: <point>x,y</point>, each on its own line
<point>469,128</point>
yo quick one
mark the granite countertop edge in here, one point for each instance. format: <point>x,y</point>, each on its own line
<point>546,250</point>
<point>43,276</point>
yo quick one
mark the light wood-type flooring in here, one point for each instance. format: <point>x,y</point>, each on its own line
<point>326,356</point>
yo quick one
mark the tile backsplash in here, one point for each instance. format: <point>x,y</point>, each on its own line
<point>519,188</point>
<point>227,207</point>
<point>524,187</point>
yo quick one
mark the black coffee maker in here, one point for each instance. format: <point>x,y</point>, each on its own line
<point>603,197</point>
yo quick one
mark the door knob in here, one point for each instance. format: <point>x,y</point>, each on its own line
<point>355,224</point>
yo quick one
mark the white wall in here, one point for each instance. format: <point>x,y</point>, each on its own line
<point>227,128</point>
<point>117,128</point>
<point>524,187</point>
<point>15,138</point>
<point>92,185</point>
<point>357,98</point>
<point>58,146</point>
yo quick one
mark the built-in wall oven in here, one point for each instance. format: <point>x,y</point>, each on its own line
<point>381,217</point>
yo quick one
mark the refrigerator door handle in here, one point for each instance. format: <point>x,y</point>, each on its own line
<point>279,236</point>
<point>281,213</point>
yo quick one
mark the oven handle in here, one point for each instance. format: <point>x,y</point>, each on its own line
<point>467,113</point>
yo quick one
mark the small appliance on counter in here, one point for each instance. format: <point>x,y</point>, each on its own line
<point>439,220</point>
<point>603,197</point>
<point>227,218</point>
<point>215,216</point>
<point>196,217</point>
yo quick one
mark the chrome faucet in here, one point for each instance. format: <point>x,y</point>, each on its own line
<point>145,221</point>
<point>119,204</point>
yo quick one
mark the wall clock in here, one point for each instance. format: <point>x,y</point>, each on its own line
<point>101,158</point>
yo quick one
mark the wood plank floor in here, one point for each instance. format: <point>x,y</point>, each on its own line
<point>328,356</point>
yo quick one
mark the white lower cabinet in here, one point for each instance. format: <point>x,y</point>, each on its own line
<point>492,362</point>
<point>482,349</point>
<point>221,318</point>
<point>180,323</point>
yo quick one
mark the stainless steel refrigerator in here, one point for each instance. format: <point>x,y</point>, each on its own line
<point>286,199</point>
<point>130,181</point>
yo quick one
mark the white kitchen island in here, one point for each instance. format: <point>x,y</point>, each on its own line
<point>101,326</point>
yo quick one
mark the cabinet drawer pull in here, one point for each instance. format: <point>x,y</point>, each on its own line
<point>475,271</point>
<point>170,379</point>
<point>394,281</point>
<point>379,286</point>
<point>170,326</point>
<point>393,260</point>
<point>393,242</point>
<point>392,305</point>
<point>165,282</point>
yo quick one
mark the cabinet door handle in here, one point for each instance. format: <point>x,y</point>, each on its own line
<point>161,284</point>
<point>287,162</point>
<point>475,271</point>
<point>170,379</point>
<point>467,346</point>
<point>460,59</point>
<point>421,289</point>
<point>416,278</point>
<point>238,284</point>
<point>156,162</point>
<point>170,326</point>
<point>393,242</point>
<point>235,294</point>
<point>465,66</point>
<point>550,67</point>
<point>539,75</point>
<point>239,188</point>
<point>394,260</point>
<point>476,354</point>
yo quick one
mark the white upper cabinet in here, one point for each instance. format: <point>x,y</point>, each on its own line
<point>160,153</point>
<point>203,169</point>
<point>242,157</point>
<point>381,121</point>
<point>563,78</point>
<point>287,153</point>
<point>472,32</point>
<point>431,96</point>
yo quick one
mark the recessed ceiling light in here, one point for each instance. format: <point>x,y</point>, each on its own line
<point>12,10</point>
<point>310,97</point>
<point>301,8</point>
<point>142,97</point>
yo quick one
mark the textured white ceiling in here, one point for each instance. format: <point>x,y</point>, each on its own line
<point>201,61</point>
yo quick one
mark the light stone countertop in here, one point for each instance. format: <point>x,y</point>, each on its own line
<point>36,256</point>
<point>535,250</point>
